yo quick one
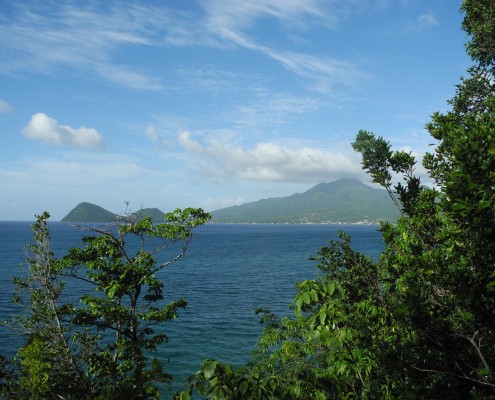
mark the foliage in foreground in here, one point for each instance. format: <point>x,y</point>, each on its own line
<point>419,322</point>
<point>102,347</point>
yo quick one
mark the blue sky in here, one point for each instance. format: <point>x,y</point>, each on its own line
<point>210,103</point>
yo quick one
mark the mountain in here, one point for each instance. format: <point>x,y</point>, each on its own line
<point>155,214</point>
<point>88,212</point>
<point>342,201</point>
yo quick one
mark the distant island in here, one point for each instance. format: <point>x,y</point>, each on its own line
<point>346,201</point>
<point>88,212</point>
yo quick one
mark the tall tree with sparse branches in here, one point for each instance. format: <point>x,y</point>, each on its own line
<point>101,348</point>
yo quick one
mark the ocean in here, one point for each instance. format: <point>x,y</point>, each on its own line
<point>228,271</point>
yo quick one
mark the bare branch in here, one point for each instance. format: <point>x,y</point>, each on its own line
<point>456,375</point>
<point>477,347</point>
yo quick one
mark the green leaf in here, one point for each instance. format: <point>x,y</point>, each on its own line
<point>243,387</point>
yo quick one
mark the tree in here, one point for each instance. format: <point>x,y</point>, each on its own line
<point>419,322</point>
<point>478,23</point>
<point>47,363</point>
<point>100,348</point>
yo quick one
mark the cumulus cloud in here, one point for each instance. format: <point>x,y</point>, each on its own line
<point>41,127</point>
<point>270,161</point>
<point>5,107</point>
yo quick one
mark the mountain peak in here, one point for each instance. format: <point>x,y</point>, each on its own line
<point>337,185</point>
<point>342,201</point>
<point>88,212</point>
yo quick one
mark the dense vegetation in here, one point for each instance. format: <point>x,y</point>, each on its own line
<point>342,201</point>
<point>87,212</point>
<point>420,322</point>
<point>101,347</point>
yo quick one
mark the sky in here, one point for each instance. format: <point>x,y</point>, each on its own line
<point>211,103</point>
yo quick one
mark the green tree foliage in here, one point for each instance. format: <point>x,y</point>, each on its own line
<point>478,23</point>
<point>102,347</point>
<point>419,322</point>
<point>46,362</point>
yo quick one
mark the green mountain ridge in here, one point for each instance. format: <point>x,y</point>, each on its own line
<point>342,201</point>
<point>88,212</point>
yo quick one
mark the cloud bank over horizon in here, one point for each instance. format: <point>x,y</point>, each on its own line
<point>270,162</point>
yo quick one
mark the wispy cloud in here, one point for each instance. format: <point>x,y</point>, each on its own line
<point>427,20</point>
<point>423,22</point>
<point>62,180</point>
<point>5,107</point>
<point>209,79</point>
<point>253,106</point>
<point>44,37</point>
<point>41,127</point>
<point>151,134</point>
<point>240,15</point>
<point>236,24</point>
<point>66,171</point>
<point>267,110</point>
<point>269,161</point>
<point>324,71</point>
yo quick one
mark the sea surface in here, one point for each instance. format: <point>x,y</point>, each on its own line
<point>228,271</point>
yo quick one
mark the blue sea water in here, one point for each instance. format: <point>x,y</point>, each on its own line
<point>228,271</point>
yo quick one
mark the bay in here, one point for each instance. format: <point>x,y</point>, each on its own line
<point>228,271</point>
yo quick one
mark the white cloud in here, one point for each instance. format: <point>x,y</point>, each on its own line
<point>212,80</point>
<point>151,134</point>
<point>124,76</point>
<point>185,141</point>
<point>323,70</point>
<point>50,36</point>
<point>270,161</point>
<point>427,20</point>
<point>62,180</point>
<point>215,204</point>
<point>43,37</point>
<point>236,24</point>
<point>67,171</point>
<point>5,107</point>
<point>272,109</point>
<point>41,127</point>
<point>241,15</point>
<point>423,22</point>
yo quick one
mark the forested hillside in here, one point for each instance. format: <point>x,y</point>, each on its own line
<point>419,323</point>
<point>342,201</point>
<point>88,212</point>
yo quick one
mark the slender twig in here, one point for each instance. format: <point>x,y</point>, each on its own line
<point>456,375</point>
<point>478,350</point>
